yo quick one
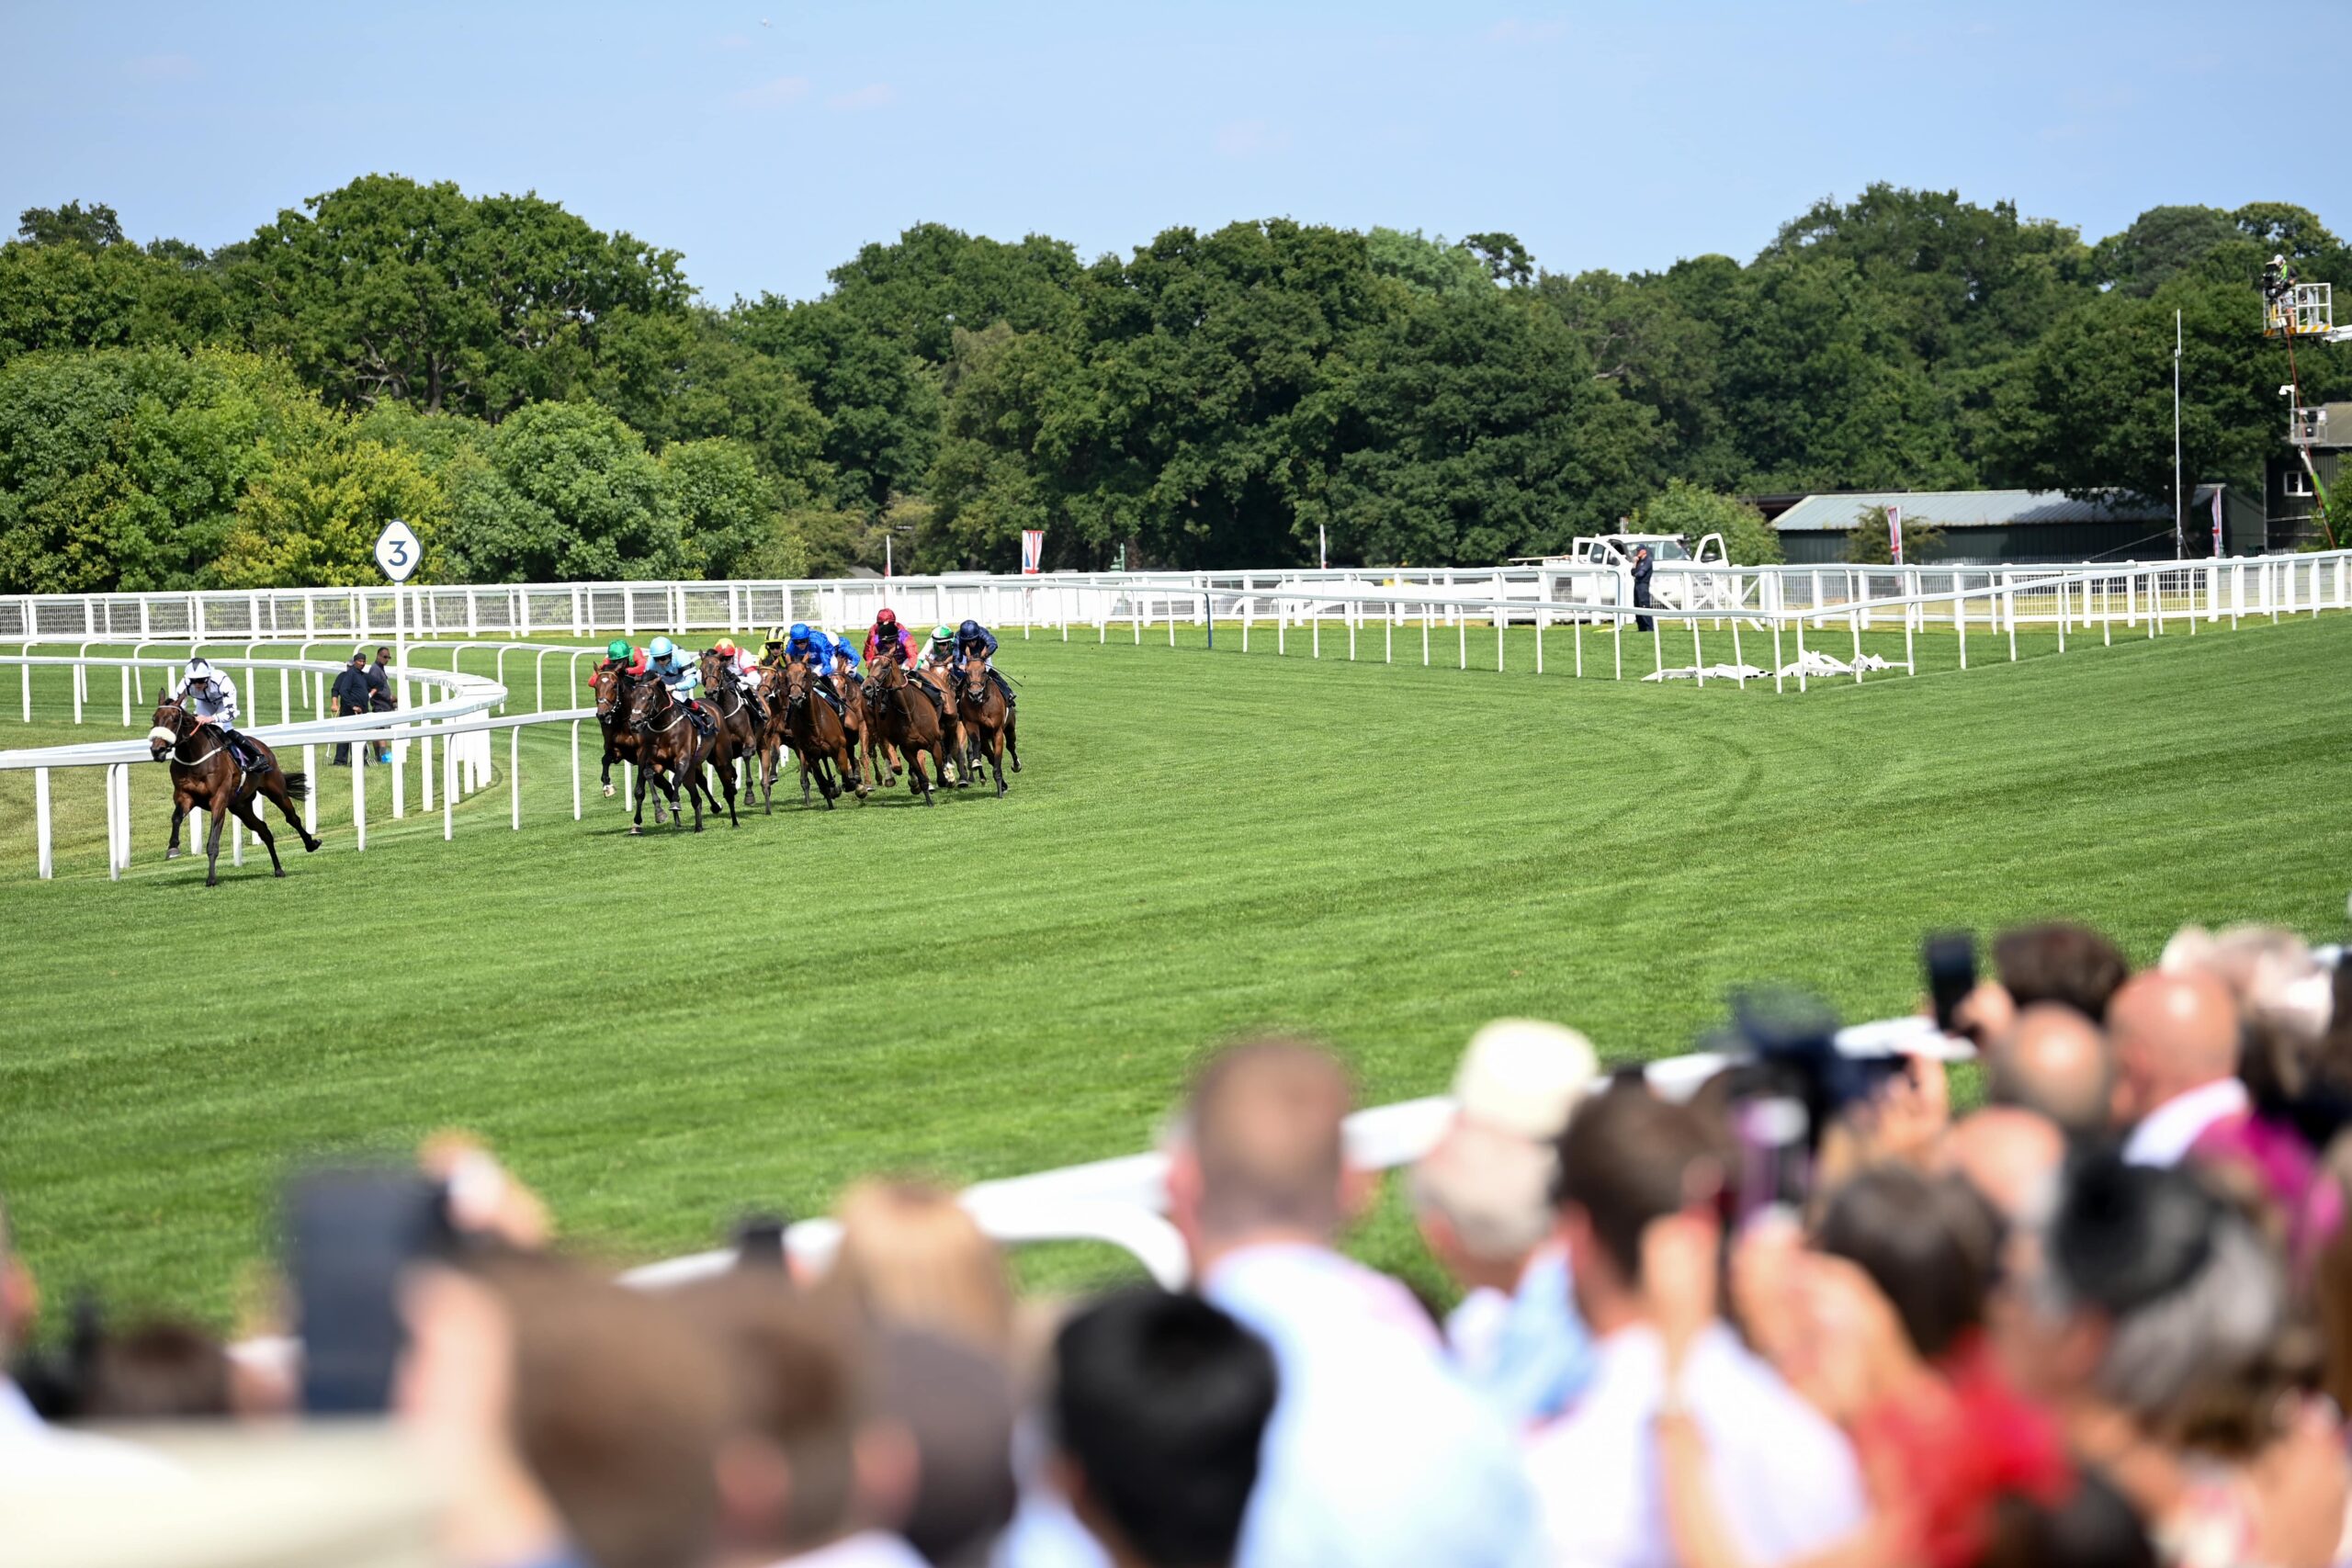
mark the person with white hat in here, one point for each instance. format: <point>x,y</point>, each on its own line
<point>1484,1198</point>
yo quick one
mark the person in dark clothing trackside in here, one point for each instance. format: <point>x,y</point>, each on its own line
<point>380,695</point>
<point>352,689</point>
<point>1642,568</point>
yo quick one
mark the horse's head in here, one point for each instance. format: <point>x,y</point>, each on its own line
<point>171,722</point>
<point>644,699</point>
<point>799,677</point>
<point>610,682</point>
<point>973,685</point>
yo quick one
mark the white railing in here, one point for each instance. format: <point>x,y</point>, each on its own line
<point>1124,1201</point>
<point>460,720</point>
<point>2251,585</point>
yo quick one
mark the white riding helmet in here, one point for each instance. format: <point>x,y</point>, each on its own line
<point>199,669</point>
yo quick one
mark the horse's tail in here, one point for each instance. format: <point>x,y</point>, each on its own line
<point>298,786</point>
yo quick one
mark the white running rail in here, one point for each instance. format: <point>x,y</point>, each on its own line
<point>2248,585</point>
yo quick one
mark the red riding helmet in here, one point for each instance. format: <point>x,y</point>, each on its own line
<point>886,617</point>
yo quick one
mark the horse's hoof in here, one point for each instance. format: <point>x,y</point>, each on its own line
<point>1016,764</point>
<point>637,833</point>
<point>608,792</point>
<point>280,871</point>
<point>174,854</point>
<point>310,846</point>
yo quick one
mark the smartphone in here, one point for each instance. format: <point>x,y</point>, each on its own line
<point>1950,958</point>
<point>351,1233</point>
<point>759,1242</point>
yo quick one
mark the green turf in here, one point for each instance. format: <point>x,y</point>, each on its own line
<point>662,1033</point>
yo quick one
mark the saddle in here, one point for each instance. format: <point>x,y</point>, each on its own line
<point>249,754</point>
<point>700,717</point>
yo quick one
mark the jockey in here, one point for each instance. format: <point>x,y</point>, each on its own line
<point>938,653</point>
<point>973,641</point>
<point>212,698</point>
<point>744,671</point>
<point>806,641</point>
<point>617,651</point>
<point>680,676</point>
<point>889,636</point>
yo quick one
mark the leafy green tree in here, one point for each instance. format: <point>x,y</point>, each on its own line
<point>122,468</point>
<point>2091,408</point>
<point>1473,429</point>
<point>918,290</point>
<point>56,295</point>
<point>675,375</point>
<point>1870,541</point>
<point>95,226</point>
<point>879,401</point>
<point>731,512</point>
<point>1504,258</point>
<point>311,515</point>
<point>1432,267</point>
<point>1694,512</point>
<point>564,492</point>
<point>2163,243</point>
<point>389,289</point>
<point>1647,342</point>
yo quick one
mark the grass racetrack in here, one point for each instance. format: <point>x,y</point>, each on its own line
<point>661,1033</point>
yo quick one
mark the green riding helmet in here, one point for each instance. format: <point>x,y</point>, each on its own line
<point>942,634</point>
<point>617,650</point>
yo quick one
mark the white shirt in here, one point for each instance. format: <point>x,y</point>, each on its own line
<point>37,1457</point>
<point>2164,1134</point>
<point>871,1549</point>
<point>1376,1454</point>
<point>1785,1480</point>
<point>221,702</point>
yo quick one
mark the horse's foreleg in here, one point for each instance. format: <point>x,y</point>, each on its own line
<point>637,823</point>
<point>996,760</point>
<point>179,814</point>
<point>1013,739</point>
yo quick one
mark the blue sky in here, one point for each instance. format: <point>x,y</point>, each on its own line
<point>767,139</point>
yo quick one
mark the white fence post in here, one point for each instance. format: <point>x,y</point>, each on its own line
<point>44,849</point>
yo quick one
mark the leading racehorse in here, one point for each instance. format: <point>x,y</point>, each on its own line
<point>206,777</point>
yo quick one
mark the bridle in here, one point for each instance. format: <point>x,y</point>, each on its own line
<point>180,738</point>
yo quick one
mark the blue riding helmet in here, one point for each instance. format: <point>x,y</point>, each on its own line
<point>799,632</point>
<point>660,649</point>
<point>969,629</point>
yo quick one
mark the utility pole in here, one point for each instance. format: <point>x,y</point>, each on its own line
<point>2179,535</point>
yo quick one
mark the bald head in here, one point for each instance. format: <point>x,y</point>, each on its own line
<point>1265,1133</point>
<point>2010,1154</point>
<point>2172,1032</point>
<point>2056,1061</point>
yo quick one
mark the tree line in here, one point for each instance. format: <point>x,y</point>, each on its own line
<point>542,400</point>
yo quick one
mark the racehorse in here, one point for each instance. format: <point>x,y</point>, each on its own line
<point>671,753</point>
<point>987,724</point>
<point>768,741</point>
<point>206,776</point>
<point>613,683</point>
<point>940,680</point>
<point>817,735</point>
<point>739,727</point>
<point>898,715</point>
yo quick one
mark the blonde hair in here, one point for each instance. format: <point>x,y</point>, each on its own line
<point>911,1257</point>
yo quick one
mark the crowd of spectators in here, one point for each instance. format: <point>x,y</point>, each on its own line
<point>1808,1314</point>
